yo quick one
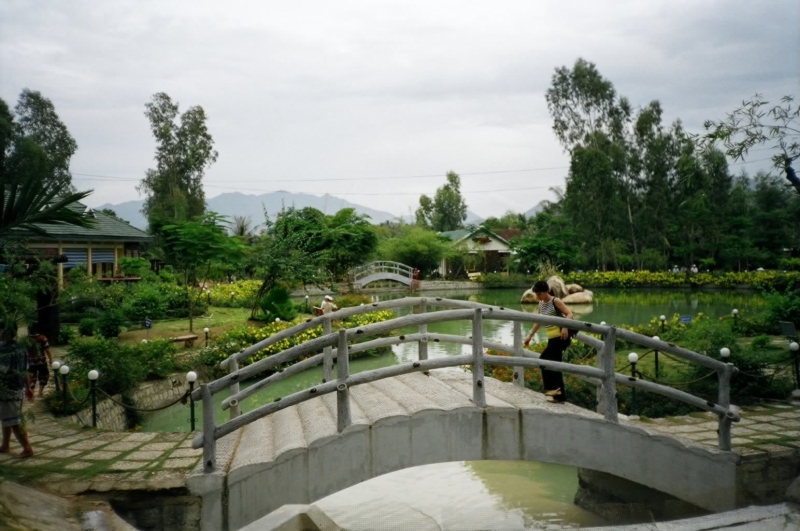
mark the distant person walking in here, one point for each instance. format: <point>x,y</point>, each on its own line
<point>13,388</point>
<point>327,305</point>
<point>557,340</point>
<point>39,358</point>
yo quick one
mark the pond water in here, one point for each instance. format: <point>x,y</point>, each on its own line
<point>515,494</point>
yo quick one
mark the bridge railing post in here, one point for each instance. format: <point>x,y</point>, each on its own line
<point>724,400</point>
<point>478,391</point>
<point>209,425</point>
<point>342,391</point>
<point>327,353</point>
<point>606,363</point>
<point>601,399</point>
<point>235,410</point>
<point>519,372</point>
<point>422,344</point>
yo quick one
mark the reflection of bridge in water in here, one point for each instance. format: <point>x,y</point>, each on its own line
<point>382,270</point>
<point>310,444</point>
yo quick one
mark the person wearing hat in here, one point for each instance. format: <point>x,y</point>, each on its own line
<point>327,305</point>
<point>14,385</point>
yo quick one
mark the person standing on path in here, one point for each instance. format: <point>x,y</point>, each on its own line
<point>327,305</point>
<point>557,340</point>
<point>39,358</point>
<point>14,386</point>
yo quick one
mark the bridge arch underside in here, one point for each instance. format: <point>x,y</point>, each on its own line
<point>375,277</point>
<point>705,478</point>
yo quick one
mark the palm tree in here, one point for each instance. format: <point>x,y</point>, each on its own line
<point>243,227</point>
<point>27,204</point>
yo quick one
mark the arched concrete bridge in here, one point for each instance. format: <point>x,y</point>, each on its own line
<point>311,444</point>
<point>382,270</point>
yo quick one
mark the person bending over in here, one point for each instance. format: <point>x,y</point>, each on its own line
<point>557,340</point>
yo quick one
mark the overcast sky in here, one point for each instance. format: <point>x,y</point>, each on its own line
<point>371,90</point>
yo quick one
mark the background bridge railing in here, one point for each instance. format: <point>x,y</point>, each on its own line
<point>329,346</point>
<point>384,268</point>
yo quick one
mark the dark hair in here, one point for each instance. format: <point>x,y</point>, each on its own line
<point>542,287</point>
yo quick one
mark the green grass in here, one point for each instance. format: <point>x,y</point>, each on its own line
<point>217,319</point>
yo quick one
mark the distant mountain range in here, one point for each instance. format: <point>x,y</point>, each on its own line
<point>238,204</point>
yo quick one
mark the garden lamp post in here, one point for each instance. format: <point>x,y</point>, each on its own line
<point>656,353</point>
<point>93,375</point>
<point>633,358</point>
<point>725,353</point>
<point>306,303</point>
<point>233,295</point>
<point>794,347</point>
<point>663,319</point>
<point>191,377</point>
<point>64,370</point>
<point>55,366</point>
<point>735,314</point>
<point>205,331</point>
<point>602,323</point>
<point>144,341</point>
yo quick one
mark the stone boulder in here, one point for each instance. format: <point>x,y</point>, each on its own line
<point>583,297</point>
<point>529,297</point>
<point>793,492</point>
<point>573,288</point>
<point>557,286</point>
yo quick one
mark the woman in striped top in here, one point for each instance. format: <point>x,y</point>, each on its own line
<point>557,340</point>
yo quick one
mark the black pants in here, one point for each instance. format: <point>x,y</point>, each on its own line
<point>39,373</point>
<point>554,351</point>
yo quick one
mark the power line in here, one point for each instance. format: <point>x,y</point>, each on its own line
<point>337,194</point>
<point>96,177</point>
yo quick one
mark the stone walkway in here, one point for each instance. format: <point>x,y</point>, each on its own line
<point>71,460</point>
<point>770,428</point>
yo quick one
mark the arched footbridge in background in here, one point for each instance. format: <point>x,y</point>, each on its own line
<point>353,427</point>
<point>381,270</point>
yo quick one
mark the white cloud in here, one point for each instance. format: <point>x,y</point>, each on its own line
<point>364,89</point>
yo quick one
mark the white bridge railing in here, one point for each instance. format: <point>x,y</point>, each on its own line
<point>324,349</point>
<point>382,268</point>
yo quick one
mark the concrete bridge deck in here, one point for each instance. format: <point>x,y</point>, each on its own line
<point>296,456</point>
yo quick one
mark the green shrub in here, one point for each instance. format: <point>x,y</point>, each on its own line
<point>119,367</point>
<point>781,307</point>
<point>134,267</point>
<point>109,325</point>
<point>761,342</point>
<point>352,299</point>
<point>86,326</point>
<point>145,302</point>
<point>277,304</point>
<point>159,357</point>
<point>65,335</point>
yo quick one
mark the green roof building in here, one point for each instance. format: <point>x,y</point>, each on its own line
<point>99,247</point>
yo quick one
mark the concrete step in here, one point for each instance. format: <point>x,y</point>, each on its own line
<point>288,431</point>
<point>412,400</point>
<point>256,444</point>
<point>317,420</point>
<point>432,388</point>
<point>375,403</point>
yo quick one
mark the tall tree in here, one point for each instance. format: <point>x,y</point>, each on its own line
<point>350,239</point>
<point>184,150</point>
<point>758,122</point>
<point>37,120</point>
<point>192,246</point>
<point>447,211</point>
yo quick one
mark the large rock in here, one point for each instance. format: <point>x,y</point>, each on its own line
<point>529,297</point>
<point>557,286</point>
<point>584,297</point>
<point>793,492</point>
<point>574,288</point>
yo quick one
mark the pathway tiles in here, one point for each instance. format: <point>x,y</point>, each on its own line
<point>73,459</point>
<point>771,428</point>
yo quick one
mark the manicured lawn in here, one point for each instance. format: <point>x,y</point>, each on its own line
<point>216,319</point>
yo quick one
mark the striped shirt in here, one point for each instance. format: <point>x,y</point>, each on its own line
<point>549,308</point>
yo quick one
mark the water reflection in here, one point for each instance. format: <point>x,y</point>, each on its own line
<point>468,495</point>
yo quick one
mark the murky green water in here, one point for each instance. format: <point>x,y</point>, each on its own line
<point>486,494</point>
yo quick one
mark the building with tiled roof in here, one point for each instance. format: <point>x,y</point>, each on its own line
<point>99,247</point>
<point>489,251</point>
